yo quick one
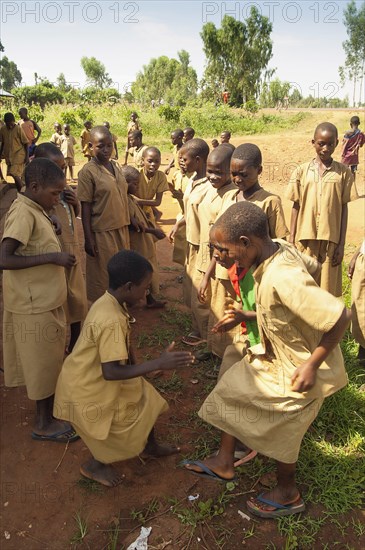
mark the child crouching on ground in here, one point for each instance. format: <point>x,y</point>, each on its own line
<point>269,399</point>
<point>101,371</point>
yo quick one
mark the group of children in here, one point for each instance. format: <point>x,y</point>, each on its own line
<point>246,281</point>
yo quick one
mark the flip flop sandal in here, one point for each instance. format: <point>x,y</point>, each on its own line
<point>192,340</point>
<point>280,509</point>
<point>65,436</point>
<point>244,458</point>
<point>207,473</point>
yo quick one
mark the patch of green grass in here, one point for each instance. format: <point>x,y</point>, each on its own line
<point>90,486</point>
<point>179,319</point>
<point>82,529</point>
<point>143,515</point>
<point>174,384</point>
<point>300,531</point>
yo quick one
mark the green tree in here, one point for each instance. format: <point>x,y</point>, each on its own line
<point>62,83</point>
<point>354,46</point>
<point>95,72</point>
<point>172,80</point>
<point>10,76</point>
<point>237,56</point>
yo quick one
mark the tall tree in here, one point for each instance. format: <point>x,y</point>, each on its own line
<point>95,72</point>
<point>354,46</point>
<point>10,76</point>
<point>172,80</point>
<point>237,56</point>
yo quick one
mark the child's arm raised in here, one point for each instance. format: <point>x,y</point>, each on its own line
<point>304,377</point>
<point>168,360</point>
<point>10,260</point>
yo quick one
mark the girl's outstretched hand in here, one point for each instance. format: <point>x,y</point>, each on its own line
<point>171,359</point>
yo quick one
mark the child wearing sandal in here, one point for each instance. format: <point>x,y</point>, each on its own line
<point>269,399</point>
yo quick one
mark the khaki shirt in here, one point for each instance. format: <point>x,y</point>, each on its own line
<point>28,128</point>
<point>56,139</point>
<point>13,144</point>
<point>132,126</point>
<point>214,203</point>
<point>67,146</point>
<point>83,396</point>
<point>193,196</point>
<point>137,155</point>
<point>106,193</point>
<point>290,322</point>
<point>35,289</point>
<point>175,153</point>
<point>273,208</point>
<point>85,140</point>
<point>320,200</point>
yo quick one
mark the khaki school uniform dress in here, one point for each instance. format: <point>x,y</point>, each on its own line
<point>137,155</point>
<point>67,149</point>
<point>13,149</point>
<point>358,298</point>
<point>34,320</point>
<point>85,140</point>
<point>148,188</point>
<point>220,291</point>
<point>321,200</point>
<point>113,417</point>
<point>76,304</point>
<point>110,219</point>
<point>175,152</point>
<point>254,401</point>
<point>56,139</point>
<point>180,181</point>
<point>194,194</point>
<point>144,243</point>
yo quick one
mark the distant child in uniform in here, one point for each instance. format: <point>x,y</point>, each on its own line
<point>320,190</point>
<point>189,133</point>
<point>13,148</point>
<point>152,183</point>
<point>215,143</point>
<point>225,136</point>
<point>102,371</point>
<point>352,141</point>
<point>66,211</point>
<point>143,239</point>
<point>102,190</point>
<point>85,140</point>
<point>177,137</point>
<point>29,127</point>
<point>35,290</point>
<point>137,147</point>
<point>132,125</point>
<point>356,272</point>
<point>269,399</point>
<point>56,137</point>
<point>115,139</point>
<point>68,143</point>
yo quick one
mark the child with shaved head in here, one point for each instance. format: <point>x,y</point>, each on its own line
<point>152,183</point>
<point>320,190</point>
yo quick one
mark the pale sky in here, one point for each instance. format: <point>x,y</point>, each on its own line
<point>50,37</point>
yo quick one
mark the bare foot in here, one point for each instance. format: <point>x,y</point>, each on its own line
<point>216,465</point>
<point>158,450</point>
<point>289,496</point>
<point>102,473</point>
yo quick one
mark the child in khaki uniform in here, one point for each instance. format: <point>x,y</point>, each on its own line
<point>34,293</point>
<point>356,272</point>
<point>14,147</point>
<point>102,190</point>
<point>152,182</point>
<point>320,190</point>
<point>66,211</point>
<point>177,137</point>
<point>115,139</point>
<point>143,240</point>
<point>111,380</point>
<point>67,149</point>
<point>86,139</point>
<point>137,148</point>
<point>56,137</point>
<point>269,399</point>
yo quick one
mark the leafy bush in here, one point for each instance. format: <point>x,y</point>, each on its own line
<point>68,117</point>
<point>170,114</point>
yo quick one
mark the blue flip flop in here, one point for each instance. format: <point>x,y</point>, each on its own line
<point>280,509</point>
<point>64,436</point>
<point>207,473</point>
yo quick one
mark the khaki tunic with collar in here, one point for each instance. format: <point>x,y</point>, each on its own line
<point>273,208</point>
<point>148,188</point>
<point>113,417</point>
<point>254,401</point>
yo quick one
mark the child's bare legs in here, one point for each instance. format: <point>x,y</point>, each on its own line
<point>45,423</point>
<point>71,168</point>
<point>153,448</point>
<point>75,329</point>
<point>222,463</point>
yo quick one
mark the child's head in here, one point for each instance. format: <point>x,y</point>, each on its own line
<point>194,155</point>
<point>215,143</point>
<point>130,276</point>
<point>218,166</point>
<point>88,124</point>
<point>225,136</point>
<point>177,137</point>
<point>354,121</point>
<point>239,235</point>
<point>23,113</point>
<point>325,140</point>
<point>131,175</point>
<point>66,129</point>
<point>134,116</point>
<point>57,127</point>
<point>151,160</point>
<point>51,152</point>
<point>9,120</point>
<point>44,182</point>
<point>101,143</point>
<point>135,138</point>
<point>189,133</point>
<point>246,165</point>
